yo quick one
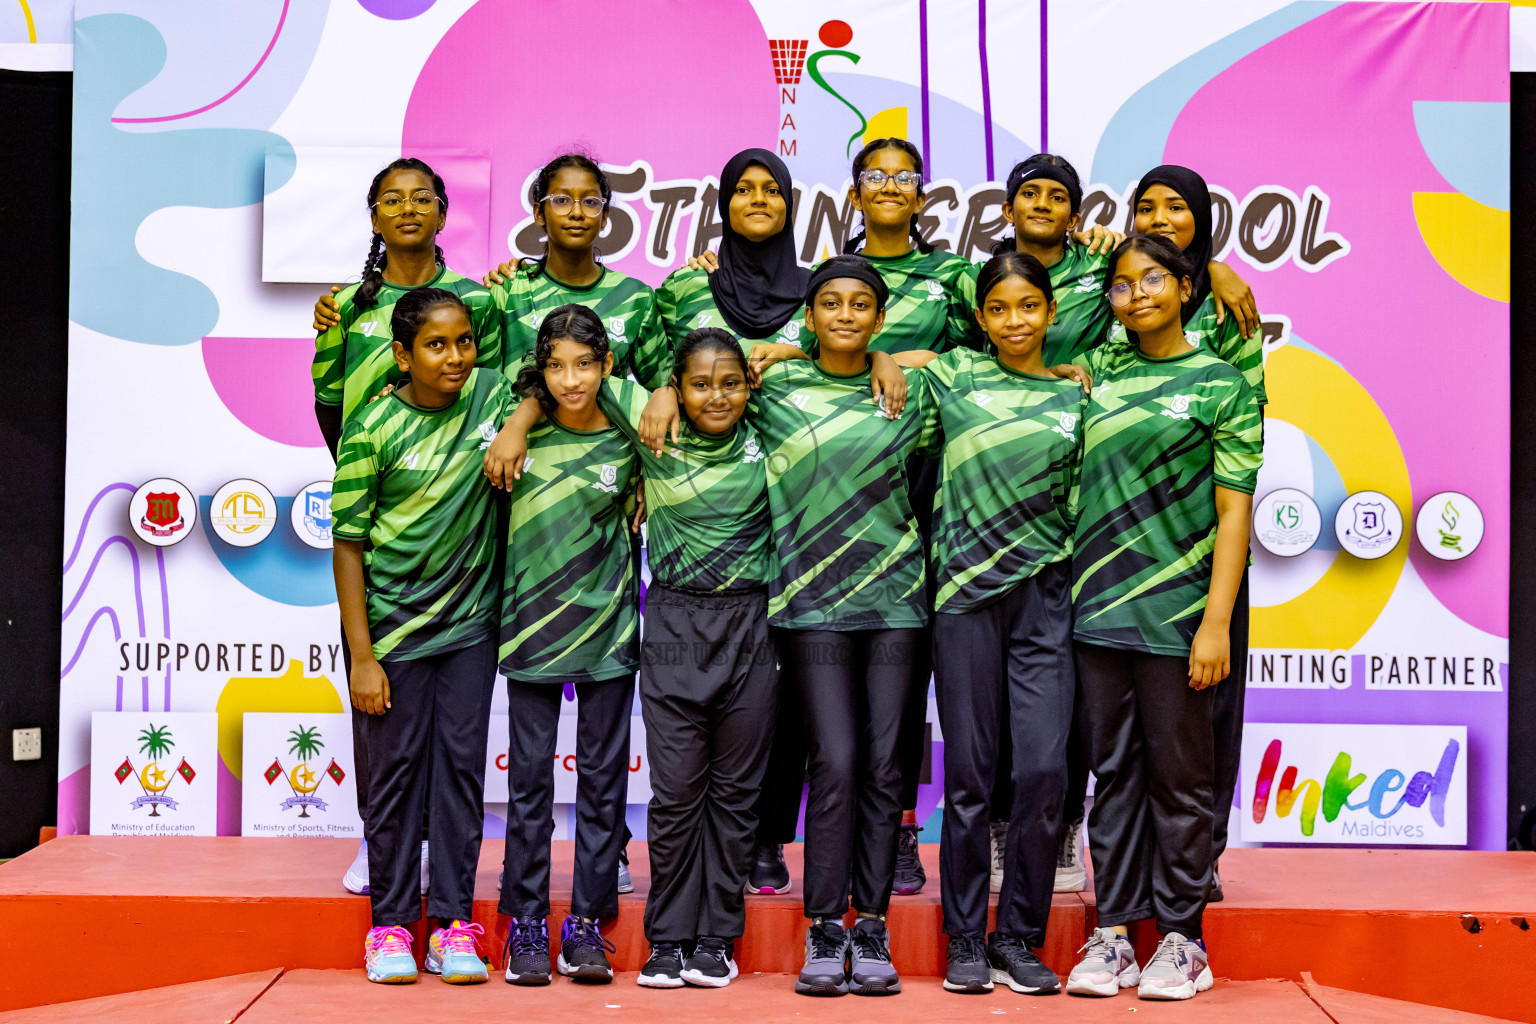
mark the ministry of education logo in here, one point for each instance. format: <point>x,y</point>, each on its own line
<point>243,513</point>
<point>1368,524</point>
<point>1449,525</point>
<point>1287,522</point>
<point>156,744</point>
<point>310,514</point>
<point>162,511</point>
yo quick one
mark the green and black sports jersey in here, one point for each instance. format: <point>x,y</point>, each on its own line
<point>410,485</point>
<point>569,604</point>
<point>354,361</point>
<point>1226,343</point>
<point>1159,436</point>
<point>1012,449</point>
<point>847,547</point>
<point>1083,314</point>
<point>627,307</point>
<point>706,499</point>
<point>686,304</point>
<point>932,304</point>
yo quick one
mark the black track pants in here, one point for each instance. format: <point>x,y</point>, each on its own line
<point>1149,745</point>
<point>1227,723</point>
<point>435,728</point>
<point>602,786</point>
<point>708,687</point>
<point>777,809</point>
<point>923,473</point>
<point>1005,670</point>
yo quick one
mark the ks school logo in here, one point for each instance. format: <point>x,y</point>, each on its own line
<point>607,479</point>
<point>1178,408</point>
<point>155,743</point>
<point>616,327</point>
<point>1066,424</point>
<point>1287,522</point>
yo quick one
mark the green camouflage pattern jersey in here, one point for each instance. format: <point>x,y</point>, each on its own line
<point>1012,451</point>
<point>1159,436</point>
<point>1223,341</point>
<point>686,304</point>
<point>706,498</point>
<point>932,305</point>
<point>569,603</point>
<point>1083,314</point>
<point>354,361</point>
<point>410,485</point>
<point>627,308</point>
<point>846,544</point>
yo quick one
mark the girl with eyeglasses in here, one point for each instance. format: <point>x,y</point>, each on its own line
<point>1172,448</point>
<point>407,207</point>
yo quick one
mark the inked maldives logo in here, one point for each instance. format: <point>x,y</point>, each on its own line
<point>1387,794</point>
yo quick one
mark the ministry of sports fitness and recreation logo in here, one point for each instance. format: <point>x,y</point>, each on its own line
<point>310,515</point>
<point>1368,524</point>
<point>162,511</point>
<point>304,743</point>
<point>1287,522</point>
<point>1449,525</point>
<point>156,744</point>
<point>243,513</point>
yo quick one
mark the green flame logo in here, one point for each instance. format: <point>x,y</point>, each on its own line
<point>1450,517</point>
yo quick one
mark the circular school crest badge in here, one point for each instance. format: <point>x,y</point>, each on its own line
<point>1368,524</point>
<point>243,513</point>
<point>162,512</point>
<point>1287,522</point>
<point>1449,525</point>
<point>310,515</point>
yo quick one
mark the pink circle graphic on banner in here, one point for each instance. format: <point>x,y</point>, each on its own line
<point>618,79</point>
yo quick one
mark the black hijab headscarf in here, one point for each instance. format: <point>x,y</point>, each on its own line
<point>759,285</point>
<point>1191,188</point>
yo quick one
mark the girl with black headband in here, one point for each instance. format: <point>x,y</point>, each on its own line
<point>849,602</point>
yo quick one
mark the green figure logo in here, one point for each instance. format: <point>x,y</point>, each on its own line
<point>1287,515</point>
<point>1450,517</point>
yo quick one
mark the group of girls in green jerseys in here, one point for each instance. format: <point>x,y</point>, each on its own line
<point>1029,478</point>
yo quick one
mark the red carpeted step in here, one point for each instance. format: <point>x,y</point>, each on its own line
<point>218,999</point>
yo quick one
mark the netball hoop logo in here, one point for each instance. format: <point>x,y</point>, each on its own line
<point>243,513</point>
<point>1368,524</point>
<point>162,512</point>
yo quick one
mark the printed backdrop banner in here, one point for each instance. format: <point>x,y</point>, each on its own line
<point>300,777</point>
<point>1357,153</point>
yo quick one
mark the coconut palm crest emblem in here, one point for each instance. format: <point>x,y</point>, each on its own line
<point>155,742</point>
<point>304,743</point>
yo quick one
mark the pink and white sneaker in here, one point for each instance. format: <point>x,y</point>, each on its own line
<point>1108,965</point>
<point>387,956</point>
<point>1177,970</point>
<point>453,954</point>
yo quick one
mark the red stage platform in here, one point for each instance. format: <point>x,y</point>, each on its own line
<point>1448,929</point>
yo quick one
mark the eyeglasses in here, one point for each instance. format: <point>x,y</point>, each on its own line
<point>1152,283</point>
<point>391,205</point>
<point>591,206</point>
<point>906,181</point>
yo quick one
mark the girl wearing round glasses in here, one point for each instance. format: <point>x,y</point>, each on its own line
<point>570,198</point>
<point>407,207</point>
<point>1172,449</point>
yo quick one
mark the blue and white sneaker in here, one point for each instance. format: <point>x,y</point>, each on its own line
<point>452,953</point>
<point>1177,970</point>
<point>387,956</point>
<point>584,951</point>
<point>1108,965</point>
<point>355,880</point>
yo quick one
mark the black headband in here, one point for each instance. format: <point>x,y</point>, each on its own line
<point>848,266</point>
<point>1028,172</point>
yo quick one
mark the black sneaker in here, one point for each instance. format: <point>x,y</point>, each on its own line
<point>826,960</point>
<point>527,952</point>
<point>870,971</point>
<point>1015,965</point>
<point>664,967</point>
<point>967,970</point>
<point>769,875</point>
<point>910,875</point>
<point>584,951</point>
<point>711,965</point>
<point>1214,893</point>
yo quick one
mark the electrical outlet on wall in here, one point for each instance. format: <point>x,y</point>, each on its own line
<point>26,744</point>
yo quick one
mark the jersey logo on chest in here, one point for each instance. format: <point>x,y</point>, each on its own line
<point>702,320</point>
<point>616,327</point>
<point>410,460</point>
<point>935,291</point>
<point>1178,408</point>
<point>487,434</point>
<point>981,398</point>
<point>369,327</point>
<point>799,401</point>
<point>1066,423</point>
<point>1086,284</point>
<point>607,479</point>
<point>753,452</point>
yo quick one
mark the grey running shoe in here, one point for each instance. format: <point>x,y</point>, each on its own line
<point>1071,872</point>
<point>1177,970</point>
<point>999,830</point>
<point>769,875</point>
<point>626,884</point>
<point>826,960</point>
<point>1016,965</point>
<point>664,967</point>
<point>1108,965</point>
<point>870,971</point>
<point>910,876</point>
<point>584,951</point>
<point>967,969</point>
<point>712,964</point>
<point>527,952</point>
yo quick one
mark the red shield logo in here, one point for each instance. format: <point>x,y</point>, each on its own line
<point>162,514</point>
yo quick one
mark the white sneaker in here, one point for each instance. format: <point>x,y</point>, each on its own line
<point>355,880</point>
<point>999,831</point>
<point>426,874</point>
<point>1071,871</point>
<point>1177,970</point>
<point>1108,965</point>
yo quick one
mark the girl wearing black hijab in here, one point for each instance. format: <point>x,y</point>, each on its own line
<point>1174,202</point>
